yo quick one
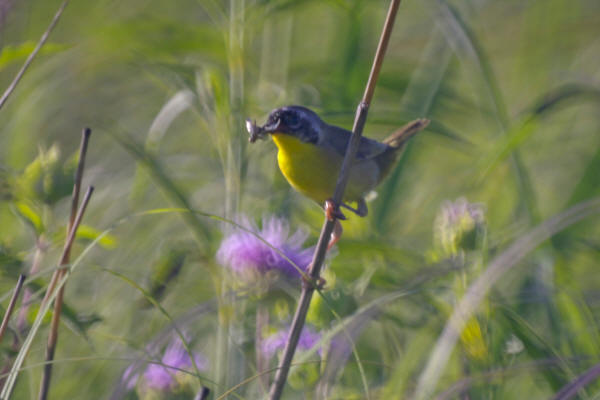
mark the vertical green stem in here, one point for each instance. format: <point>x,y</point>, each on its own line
<point>262,320</point>
<point>227,361</point>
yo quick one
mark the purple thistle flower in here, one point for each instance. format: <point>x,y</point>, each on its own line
<point>277,341</point>
<point>130,377</point>
<point>246,255</point>
<point>175,356</point>
<point>455,222</point>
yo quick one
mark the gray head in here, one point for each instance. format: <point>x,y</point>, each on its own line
<point>297,121</point>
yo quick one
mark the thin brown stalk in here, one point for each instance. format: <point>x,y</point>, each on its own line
<point>11,305</point>
<point>319,255</point>
<point>9,311</point>
<point>33,54</point>
<point>53,335</point>
<point>59,273</point>
<point>85,138</point>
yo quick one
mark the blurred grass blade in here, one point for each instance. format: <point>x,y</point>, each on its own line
<point>589,184</point>
<point>402,376</point>
<point>425,82</point>
<point>344,336</point>
<point>522,130</point>
<point>179,103</point>
<point>538,348</point>
<point>587,187</point>
<point>573,388</point>
<point>577,320</point>
<point>518,134</point>
<point>489,377</point>
<point>418,98</point>
<point>11,54</point>
<point>87,232</point>
<point>165,270</point>
<point>440,129</point>
<point>43,310</point>
<point>478,290</point>
<point>467,47</point>
<point>562,94</point>
<point>164,312</point>
<point>30,216</point>
<point>33,54</point>
<point>169,188</point>
<point>79,323</point>
<point>349,329</point>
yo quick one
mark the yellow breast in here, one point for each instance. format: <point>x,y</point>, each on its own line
<point>313,170</point>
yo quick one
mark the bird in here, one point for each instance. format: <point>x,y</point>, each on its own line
<point>310,155</point>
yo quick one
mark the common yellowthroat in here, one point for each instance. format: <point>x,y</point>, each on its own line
<point>310,155</point>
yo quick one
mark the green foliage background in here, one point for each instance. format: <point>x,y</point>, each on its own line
<point>512,89</point>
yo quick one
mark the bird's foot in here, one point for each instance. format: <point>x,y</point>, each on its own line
<point>332,211</point>
<point>335,235</point>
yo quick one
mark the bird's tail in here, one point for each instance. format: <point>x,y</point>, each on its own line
<point>401,136</point>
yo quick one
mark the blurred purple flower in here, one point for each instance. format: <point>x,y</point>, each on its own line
<point>455,212</point>
<point>245,254</point>
<point>130,377</point>
<point>277,341</point>
<point>455,223</point>
<point>164,377</point>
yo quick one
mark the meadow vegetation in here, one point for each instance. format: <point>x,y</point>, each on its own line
<point>472,277</point>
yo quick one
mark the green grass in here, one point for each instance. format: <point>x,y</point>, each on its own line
<point>512,89</point>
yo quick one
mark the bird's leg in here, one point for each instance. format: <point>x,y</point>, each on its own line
<point>335,235</point>
<point>332,211</point>
<point>334,214</point>
<point>361,208</point>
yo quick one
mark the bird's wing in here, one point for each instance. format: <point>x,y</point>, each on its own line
<point>338,139</point>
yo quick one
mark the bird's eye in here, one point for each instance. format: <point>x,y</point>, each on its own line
<point>292,120</point>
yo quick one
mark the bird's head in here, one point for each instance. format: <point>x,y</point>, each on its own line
<point>296,121</point>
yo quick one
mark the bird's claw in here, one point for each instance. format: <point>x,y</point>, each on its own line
<point>332,211</point>
<point>361,208</point>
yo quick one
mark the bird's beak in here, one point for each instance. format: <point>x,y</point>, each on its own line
<point>272,126</point>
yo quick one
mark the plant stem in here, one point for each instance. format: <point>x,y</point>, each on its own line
<point>76,215</point>
<point>75,198</point>
<point>262,320</point>
<point>11,305</point>
<point>34,53</point>
<point>319,255</point>
<point>228,361</point>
